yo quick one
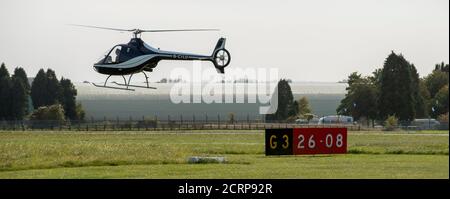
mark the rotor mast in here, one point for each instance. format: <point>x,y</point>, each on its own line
<point>137,32</point>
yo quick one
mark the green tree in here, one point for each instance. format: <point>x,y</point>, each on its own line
<point>46,89</point>
<point>68,98</point>
<point>20,74</point>
<point>376,77</point>
<point>54,91</point>
<point>54,112</point>
<point>3,71</point>
<point>442,67</point>
<point>425,94</point>
<point>397,91</point>
<point>391,123</point>
<point>5,93</point>
<point>19,93</point>
<point>285,103</point>
<point>294,110</point>
<point>441,100</point>
<point>365,101</point>
<point>46,116</point>
<point>80,112</point>
<point>435,81</point>
<point>39,89</point>
<point>360,100</point>
<point>303,107</point>
<point>419,99</point>
<point>346,105</point>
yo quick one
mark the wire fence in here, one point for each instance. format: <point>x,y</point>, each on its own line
<point>154,125</point>
<point>180,124</point>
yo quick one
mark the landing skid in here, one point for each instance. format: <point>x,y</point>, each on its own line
<point>131,85</point>
<point>125,85</point>
<point>112,87</point>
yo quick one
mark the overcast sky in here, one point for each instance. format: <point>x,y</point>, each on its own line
<point>307,40</point>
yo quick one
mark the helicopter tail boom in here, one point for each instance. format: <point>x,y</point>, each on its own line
<point>220,56</point>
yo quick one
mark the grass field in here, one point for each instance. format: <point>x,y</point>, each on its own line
<point>142,154</point>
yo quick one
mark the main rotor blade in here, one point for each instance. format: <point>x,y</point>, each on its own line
<point>105,28</point>
<point>138,31</point>
<point>179,30</point>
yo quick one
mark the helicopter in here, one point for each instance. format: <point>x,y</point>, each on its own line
<point>138,57</point>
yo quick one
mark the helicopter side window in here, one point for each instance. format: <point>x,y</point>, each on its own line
<point>114,55</point>
<point>129,52</point>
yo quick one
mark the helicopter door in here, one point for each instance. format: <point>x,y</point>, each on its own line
<point>114,55</point>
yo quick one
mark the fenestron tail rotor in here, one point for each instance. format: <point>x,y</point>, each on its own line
<point>136,31</point>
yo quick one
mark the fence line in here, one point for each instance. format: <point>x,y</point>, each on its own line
<point>155,125</point>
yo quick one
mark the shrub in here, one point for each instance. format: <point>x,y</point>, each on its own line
<point>391,123</point>
<point>46,116</point>
<point>231,119</point>
<point>443,117</point>
<point>80,112</point>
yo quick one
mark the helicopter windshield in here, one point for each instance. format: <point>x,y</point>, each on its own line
<point>113,56</point>
<point>119,54</point>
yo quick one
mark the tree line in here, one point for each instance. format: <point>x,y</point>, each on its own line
<point>46,99</point>
<point>394,91</point>
<point>397,90</point>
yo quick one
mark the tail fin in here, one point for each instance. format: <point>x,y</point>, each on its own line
<point>220,45</point>
<point>220,70</point>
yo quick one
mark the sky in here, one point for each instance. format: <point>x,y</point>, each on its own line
<point>319,41</point>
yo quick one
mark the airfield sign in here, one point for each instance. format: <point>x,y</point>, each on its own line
<point>302,141</point>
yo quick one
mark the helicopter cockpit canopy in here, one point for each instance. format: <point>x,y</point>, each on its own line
<point>119,54</point>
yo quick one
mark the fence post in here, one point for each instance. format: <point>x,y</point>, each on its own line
<point>139,126</point>
<point>168,122</point>
<point>92,120</point>
<point>156,122</point>
<point>117,122</point>
<point>145,124</point>
<point>104,123</point>
<point>193,121</point>
<point>218,121</point>
<point>181,121</point>
<point>131,123</point>
<point>206,121</point>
